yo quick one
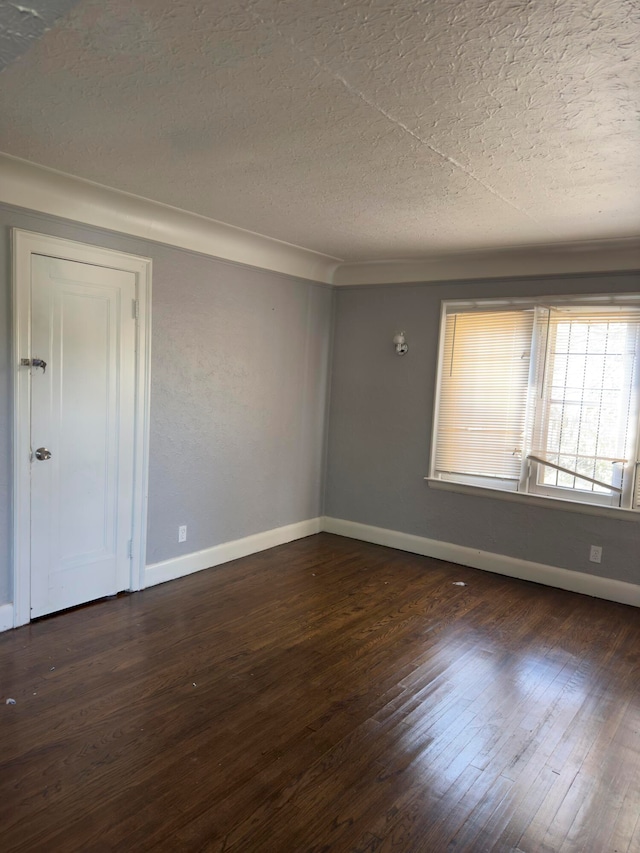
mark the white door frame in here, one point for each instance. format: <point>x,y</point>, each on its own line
<point>25,244</point>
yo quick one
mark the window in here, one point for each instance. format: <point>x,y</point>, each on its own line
<point>541,397</point>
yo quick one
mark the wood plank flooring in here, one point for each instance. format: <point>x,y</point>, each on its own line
<point>326,695</point>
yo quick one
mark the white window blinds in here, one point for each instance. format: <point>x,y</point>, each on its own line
<point>483,393</point>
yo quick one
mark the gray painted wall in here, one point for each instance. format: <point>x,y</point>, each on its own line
<point>238,394</point>
<point>238,401</point>
<point>380,433</point>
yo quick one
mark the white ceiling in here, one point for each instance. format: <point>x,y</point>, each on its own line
<point>364,130</point>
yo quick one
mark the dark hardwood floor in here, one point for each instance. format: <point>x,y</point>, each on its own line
<point>327,695</point>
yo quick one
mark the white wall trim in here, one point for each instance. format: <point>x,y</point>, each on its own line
<point>178,567</point>
<point>28,185</point>
<point>621,255</point>
<point>598,587</point>
<point>6,616</point>
<point>24,244</point>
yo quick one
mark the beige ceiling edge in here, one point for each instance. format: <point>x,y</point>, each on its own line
<point>617,255</point>
<point>28,185</point>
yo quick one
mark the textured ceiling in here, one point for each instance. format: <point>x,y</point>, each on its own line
<point>364,130</point>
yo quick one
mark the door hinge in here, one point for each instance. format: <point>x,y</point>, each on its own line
<point>130,549</point>
<point>135,307</point>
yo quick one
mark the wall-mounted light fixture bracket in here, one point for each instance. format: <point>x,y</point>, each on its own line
<point>400,343</point>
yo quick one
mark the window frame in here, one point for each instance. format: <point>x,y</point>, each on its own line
<point>527,488</point>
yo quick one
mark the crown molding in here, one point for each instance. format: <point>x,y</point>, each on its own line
<point>25,184</point>
<point>615,255</point>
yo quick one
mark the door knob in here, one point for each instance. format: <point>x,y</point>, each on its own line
<point>42,453</point>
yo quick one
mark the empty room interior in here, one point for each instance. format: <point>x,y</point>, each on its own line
<point>320,426</point>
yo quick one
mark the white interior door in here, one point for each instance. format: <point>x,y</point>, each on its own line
<point>83,415</point>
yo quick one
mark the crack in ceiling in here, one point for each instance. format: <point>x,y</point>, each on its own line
<point>396,121</point>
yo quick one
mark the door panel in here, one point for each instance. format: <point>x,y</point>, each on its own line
<point>82,411</point>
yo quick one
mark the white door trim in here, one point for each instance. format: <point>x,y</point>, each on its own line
<point>25,244</point>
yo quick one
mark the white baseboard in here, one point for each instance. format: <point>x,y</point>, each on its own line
<point>178,567</point>
<point>598,587</point>
<point>6,616</point>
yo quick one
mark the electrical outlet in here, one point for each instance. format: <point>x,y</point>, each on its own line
<point>182,533</point>
<point>595,555</point>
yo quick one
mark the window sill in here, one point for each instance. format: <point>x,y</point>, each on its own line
<point>535,500</point>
